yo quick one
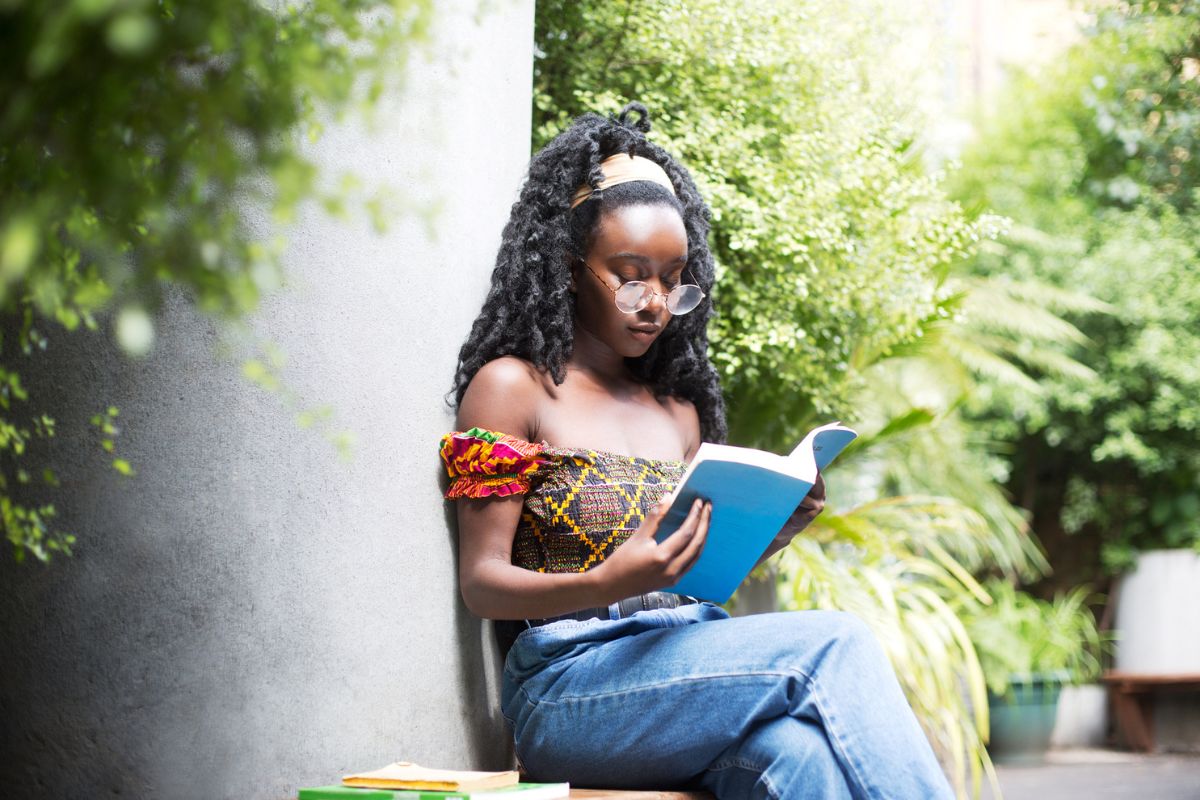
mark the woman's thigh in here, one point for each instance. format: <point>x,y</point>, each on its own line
<point>656,698</point>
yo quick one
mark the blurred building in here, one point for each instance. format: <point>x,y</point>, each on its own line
<point>975,45</point>
<point>999,35</point>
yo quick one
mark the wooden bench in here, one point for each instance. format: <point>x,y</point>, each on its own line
<point>1132,697</point>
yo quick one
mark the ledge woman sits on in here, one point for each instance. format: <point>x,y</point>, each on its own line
<point>582,391</point>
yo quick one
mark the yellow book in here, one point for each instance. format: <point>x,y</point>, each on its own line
<point>407,775</point>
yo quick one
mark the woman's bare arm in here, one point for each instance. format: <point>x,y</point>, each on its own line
<point>493,587</point>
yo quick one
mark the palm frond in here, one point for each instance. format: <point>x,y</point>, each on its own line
<point>1000,312</point>
<point>906,593</point>
<point>984,363</point>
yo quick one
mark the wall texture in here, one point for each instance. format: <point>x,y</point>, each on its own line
<point>251,613</point>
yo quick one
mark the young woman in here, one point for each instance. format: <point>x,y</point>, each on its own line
<point>582,391</point>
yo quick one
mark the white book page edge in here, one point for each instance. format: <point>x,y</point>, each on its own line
<point>804,452</point>
<point>800,464</point>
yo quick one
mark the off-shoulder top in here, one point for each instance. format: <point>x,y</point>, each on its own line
<point>579,504</point>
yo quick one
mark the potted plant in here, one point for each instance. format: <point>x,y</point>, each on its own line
<point>1028,650</point>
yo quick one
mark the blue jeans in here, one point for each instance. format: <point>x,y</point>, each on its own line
<point>800,704</point>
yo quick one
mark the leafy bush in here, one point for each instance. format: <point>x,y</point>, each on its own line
<point>134,136</point>
<point>1019,637</point>
<point>1093,160</point>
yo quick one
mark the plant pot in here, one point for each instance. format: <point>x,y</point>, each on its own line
<point>1082,719</point>
<point>1156,614</point>
<point>1156,635</point>
<point>1023,720</point>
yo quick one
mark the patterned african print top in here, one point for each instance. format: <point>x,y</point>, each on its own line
<point>579,505</point>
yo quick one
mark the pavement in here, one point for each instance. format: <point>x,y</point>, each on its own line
<point>1101,775</point>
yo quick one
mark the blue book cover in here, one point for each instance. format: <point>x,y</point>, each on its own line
<point>753,493</point>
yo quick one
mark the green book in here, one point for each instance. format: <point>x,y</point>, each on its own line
<point>518,791</point>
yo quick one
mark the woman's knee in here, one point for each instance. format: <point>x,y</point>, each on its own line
<point>839,626</point>
<point>836,634</point>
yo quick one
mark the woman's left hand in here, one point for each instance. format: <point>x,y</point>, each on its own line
<point>805,513</point>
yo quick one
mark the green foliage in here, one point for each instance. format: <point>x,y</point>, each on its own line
<point>897,564</point>
<point>1093,160</point>
<point>830,241</point>
<point>1019,637</point>
<point>135,138</point>
<point>916,407</point>
<point>1144,100</point>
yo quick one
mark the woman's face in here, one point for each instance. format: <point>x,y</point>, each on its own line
<point>633,243</point>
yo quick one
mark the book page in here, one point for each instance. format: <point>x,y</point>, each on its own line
<point>744,455</point>
<point>821,446</point>
<point>407,775</point>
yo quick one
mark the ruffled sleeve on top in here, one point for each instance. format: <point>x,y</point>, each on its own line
<point>483,463</point>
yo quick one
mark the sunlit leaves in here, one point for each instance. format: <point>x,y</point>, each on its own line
<point>1018,636</point>
<point>1093,159</point>
<point>831,242</point>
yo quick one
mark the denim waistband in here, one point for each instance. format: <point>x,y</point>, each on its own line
<point>622,608</point>
<point>507,631</point>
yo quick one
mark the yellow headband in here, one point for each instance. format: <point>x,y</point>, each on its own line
<point>623,168</point>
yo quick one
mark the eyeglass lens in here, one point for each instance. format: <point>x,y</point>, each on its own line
<point>635,295</point>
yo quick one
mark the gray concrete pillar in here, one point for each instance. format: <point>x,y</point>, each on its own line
<point>250,613</point>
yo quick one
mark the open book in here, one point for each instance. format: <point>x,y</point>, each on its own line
<point>753,493</point>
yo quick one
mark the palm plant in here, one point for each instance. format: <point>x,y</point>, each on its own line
<point>887,562</point>
<point>925,514</point>
<point>1014,330</point>
<point>1019,637</point>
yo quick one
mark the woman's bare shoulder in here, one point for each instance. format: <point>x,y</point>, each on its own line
<point>503,396</point>
<point>683,411</point>
<point>508,374</point>
<point>681,408</point>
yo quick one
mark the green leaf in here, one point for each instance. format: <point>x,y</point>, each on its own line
<point>19,245</point>
<point>131,34</point>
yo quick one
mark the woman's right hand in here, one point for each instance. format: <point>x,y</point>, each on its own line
<point>642,564</point>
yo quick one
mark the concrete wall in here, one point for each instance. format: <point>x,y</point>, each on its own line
<point>251,614</point>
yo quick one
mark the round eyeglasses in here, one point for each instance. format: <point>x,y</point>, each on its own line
<point>633,296</point>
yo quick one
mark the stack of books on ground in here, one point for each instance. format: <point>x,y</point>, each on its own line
<point>404,780</point>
